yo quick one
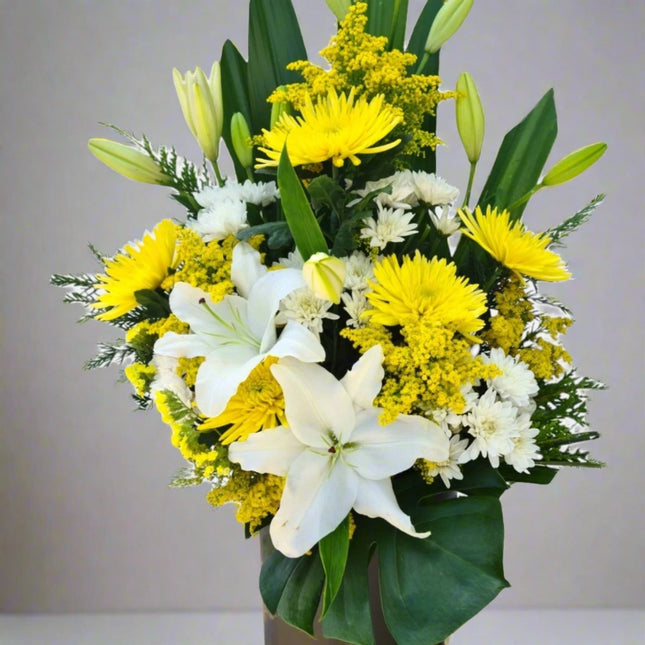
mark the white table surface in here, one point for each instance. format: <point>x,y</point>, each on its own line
<point>492,627</point>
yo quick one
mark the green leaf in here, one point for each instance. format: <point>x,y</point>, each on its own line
<point>327,192</point>
<point>537,474</point>
<point>274,42</point>
<point>432,586</point>
<point>302,222</point>
<point>349,618</point>
<point>521,158</point>
<point>277,233</point>
<point>155,304</point>
<point>558,233</point>
<point>274,576</point>
<point>333,549</point>
<point>388,18</point>
<point>235,94</point>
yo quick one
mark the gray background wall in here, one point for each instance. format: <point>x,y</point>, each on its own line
<point>87,522</point>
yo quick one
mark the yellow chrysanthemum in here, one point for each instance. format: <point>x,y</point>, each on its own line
<point>258,404</point>
<point>139,265</point>
<point>336,127</point>
<point>425,289</point>
<point>523,252</point>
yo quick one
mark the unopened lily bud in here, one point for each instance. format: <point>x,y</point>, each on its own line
<point>446,23</point>
<point>278,109</point>
<point>470,117</point>
<point>127,161</point>
<point>574,164</point>
<point>201,103</point>
<point>241,136</point>
<point>325,276</point>
<point>339,8</point>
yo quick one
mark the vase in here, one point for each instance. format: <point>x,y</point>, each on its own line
<point>277,632</point>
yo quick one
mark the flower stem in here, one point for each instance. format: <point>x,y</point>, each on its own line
<point>471,179</point>
<point>218,175</point>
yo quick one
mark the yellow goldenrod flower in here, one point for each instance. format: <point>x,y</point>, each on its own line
<point>201,103</point>
<point>127,161</point>
<point>425,289</point>
<point>521,251</point>
<point>470,117</point>
<point>241,137</point>
<point>258,404</point>
<point>325,276</point>
<point>139,265</point>
<point>336,128</point>
<point>446,23</point>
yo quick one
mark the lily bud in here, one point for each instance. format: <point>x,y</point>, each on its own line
<point>278,109</point>
<point>325,276</point>
<point>446,23</point>
<point>339,8</point>
<point>241,136</point>
<point>574,164</point>
<point>470,117</point>
<point>127,161</point>
<point>202,105</point>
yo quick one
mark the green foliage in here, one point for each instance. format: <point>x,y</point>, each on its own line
<point>115,353</point>
<point>186,477</point>
<point>558,233</point>
<point>333,550</point>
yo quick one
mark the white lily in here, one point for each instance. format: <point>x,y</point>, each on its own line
<point>238,332</point>
<point>335,455</point>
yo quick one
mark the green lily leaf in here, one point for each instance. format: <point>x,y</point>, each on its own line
<point>537,474</point>
<point>388,18</point>
<point>333,549</point>
<point>302,222</point>
<point>432,586</point>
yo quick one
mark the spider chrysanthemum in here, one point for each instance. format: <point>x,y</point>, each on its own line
<point>523,252</point>
<point>428,289</point>
<point>139,265</point>
<point>336,127</point>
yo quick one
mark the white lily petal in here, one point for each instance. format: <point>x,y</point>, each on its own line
<point>297,341</point>
<point>383,451</point>
<point>270,451</point>
<point>217,381</point>
<point>315,403</point>
<point>376,499</point>
<point>246,268</point>
<point>182,345</point>
<point>265,295</point>
<point>314,502</point>
<point>363,381</point>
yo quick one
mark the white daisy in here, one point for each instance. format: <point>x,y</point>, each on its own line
<point>389,226</point>
<point>221,219</point>
<point>358,270</point>
<point>259,193</point>
<point>292,261</point>
<point>433,190</point>
<point>492,423</point>
<point>444,221</point>
<point>401,195</point>
<point>305,308</point>
<point>449,468</point>
<point>525,450</point>
<point>517,383</point>
<point>355,305</point>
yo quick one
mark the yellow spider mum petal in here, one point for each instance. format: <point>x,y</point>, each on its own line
<point>336,127</point>
<point>523,252</point>
<point>139,265</point>
<point>425,289</point>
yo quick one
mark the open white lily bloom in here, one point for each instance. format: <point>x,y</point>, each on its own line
<point>335,454</point>
<point>238,332</point>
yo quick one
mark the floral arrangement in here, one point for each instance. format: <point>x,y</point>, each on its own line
<point>342,347</point>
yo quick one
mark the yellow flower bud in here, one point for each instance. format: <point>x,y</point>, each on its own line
<point>127,161</point>
<point>574,164</point>
<point>339,8</point>
<point>278,109</point>
<point>201,102</point>
<point>241,136</point>
<point>470,117</point>
<point>325,276</point>
<point>446,23</point>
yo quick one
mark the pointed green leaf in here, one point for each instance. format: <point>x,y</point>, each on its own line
<point>274,575</point>
<point>431,587</point>
<point>302,222</point>
<point>388,18</point>
<point>333,549</point>
<point>274,42</point>
<point>537,474</point>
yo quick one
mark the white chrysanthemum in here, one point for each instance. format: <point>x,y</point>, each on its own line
<point>259,193</point>
<point>217,222</point>
<point>292,261</point>
<point>358,270</point>
<point>444,221</point>
<point>401,195</point>
<point>166,378</point>
<point>525,451</point>
<point>389,226</point>
<point>305,308</point>
<point>356,304</point>
<point>433,190</point>
<point>449,469</point>
<point>517,383</point>
<point>492,424</point>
